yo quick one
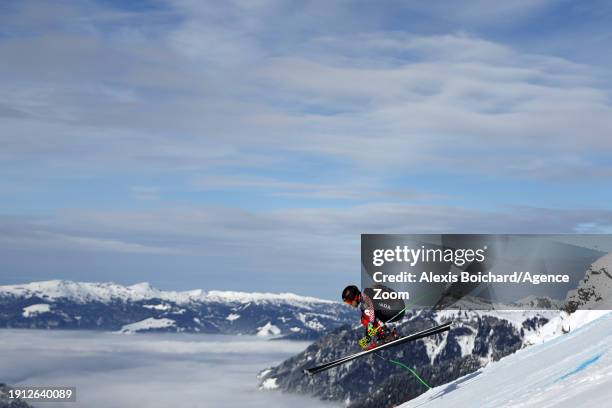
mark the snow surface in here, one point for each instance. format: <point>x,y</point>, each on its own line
<point>466,342</point>
<point>161,307</point>
<point>263,373</point>
<point>434,346</point>
<point>147,324</point>
<point>32,310</point>
<point>268,330</point>
<point>232,316</point>
<point>563,323</point>
<point>83,292</point>
<point>313,323</point>
<point>269,384</point>
<point>571,370</point>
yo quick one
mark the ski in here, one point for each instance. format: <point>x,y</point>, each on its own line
<point>419,335</point>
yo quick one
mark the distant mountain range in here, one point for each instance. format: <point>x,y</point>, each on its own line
<point>62,304</point>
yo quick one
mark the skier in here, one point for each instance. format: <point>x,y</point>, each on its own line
<point>373,319</point>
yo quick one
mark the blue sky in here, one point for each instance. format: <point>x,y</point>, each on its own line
<point>245,145</point>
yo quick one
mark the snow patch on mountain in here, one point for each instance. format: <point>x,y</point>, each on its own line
<point>32,310</point>
<point>232,316</point>
<point>434,346</point>
<point>148,324</point>
<point>263,373</point>
<point>268,330</point>
<point>158,307</point>
<point>310,321</point>
<point>466,342</point>
<point>269,384</point>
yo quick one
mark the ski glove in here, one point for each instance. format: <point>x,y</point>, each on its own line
<point>371,330</point>
<point>364,342</point>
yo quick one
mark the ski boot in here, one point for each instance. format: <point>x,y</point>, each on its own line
<point>385,335</point>
<point>381,336</point>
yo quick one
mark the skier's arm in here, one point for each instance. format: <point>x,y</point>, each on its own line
<point>368,317</point>
<point>368,313</point>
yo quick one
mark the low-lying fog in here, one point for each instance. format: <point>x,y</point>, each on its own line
<point>147,370</point>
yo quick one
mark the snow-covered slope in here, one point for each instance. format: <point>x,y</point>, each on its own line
<point>35,309</point>
<point>573,370</point>
<point>569,362</point>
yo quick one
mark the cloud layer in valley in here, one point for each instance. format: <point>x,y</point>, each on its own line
<point>155,371</point>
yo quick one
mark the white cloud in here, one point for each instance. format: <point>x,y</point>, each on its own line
<point>363,189</point>
<point>211,87</point>
<point>269,241</point>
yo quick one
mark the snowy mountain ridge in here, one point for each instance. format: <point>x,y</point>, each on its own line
<point>62,304</point>
<point>108,292</point>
